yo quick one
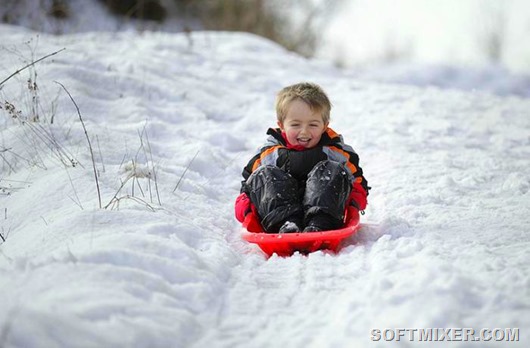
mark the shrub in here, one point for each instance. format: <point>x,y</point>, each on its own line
<point>141,9</point>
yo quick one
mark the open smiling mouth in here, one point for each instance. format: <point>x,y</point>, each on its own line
<point>303,141</point>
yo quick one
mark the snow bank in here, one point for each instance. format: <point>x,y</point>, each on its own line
<point>493,79</point>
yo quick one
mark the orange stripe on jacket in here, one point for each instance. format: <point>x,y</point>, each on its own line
<point>331,133</point>
<point>345,154</point>
<point>264,154</point>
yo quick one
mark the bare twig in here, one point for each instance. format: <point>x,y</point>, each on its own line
<point>30,64</point>
<point>185,170</point>
<point>154,170</point>
<point>117,192</point>
<point>215,175</point>
<point>6,161</point>
<point>48,138</point>
<point>88,140</point>
<point>140,187</point>
<point>100,155</point>
<point>4,235</point>
<point>148,155</point>
<point>40,134</point>
<point>77,201</point>
<point>142,147</point>
<point>116,202</point>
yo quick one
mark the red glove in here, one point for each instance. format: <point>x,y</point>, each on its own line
<point>242,207</point>
<point>358,197</point>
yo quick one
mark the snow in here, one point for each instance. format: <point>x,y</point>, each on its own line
<point>172,120</point>
<point>494,78</point>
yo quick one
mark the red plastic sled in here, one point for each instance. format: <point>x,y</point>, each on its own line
<point>286,244</point>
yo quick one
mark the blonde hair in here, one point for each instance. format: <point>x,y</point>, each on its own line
<point>310,93</point>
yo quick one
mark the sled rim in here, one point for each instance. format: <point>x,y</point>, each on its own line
<point>255,237</point>
<point>286,244</point>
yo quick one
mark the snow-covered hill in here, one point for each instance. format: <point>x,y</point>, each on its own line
<point>172,119</point>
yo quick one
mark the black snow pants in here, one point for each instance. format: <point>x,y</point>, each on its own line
<point>278,196</point>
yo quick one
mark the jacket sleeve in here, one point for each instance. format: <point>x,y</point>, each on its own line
<point>360,189</point>
<point>270,155</point>
<point>247,170</point>
<point>358,197</point>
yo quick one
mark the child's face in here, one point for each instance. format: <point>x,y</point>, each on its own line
<point>302,125</point>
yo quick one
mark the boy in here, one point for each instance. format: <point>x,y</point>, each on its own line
<point>304,176</point>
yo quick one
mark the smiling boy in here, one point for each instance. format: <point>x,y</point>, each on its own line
<point>302,126</point>
<point>304,176</point>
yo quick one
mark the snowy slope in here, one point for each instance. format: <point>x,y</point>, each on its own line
<point>172,120</point>
<point>493,79</point>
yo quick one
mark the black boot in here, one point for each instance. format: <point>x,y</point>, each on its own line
<point>292,224</point>
<point>322,222</point>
